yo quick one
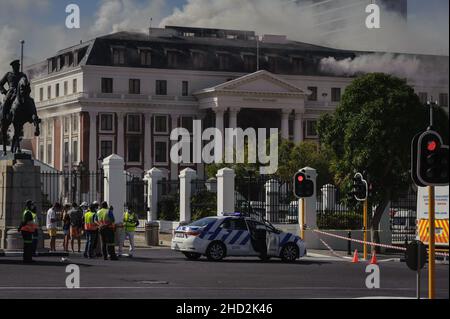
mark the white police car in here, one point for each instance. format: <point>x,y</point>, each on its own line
<point>236,235</point>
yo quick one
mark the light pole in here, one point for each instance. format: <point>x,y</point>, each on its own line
<point>22,42</point>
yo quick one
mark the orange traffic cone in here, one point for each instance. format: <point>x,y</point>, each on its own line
<point>373,260</point>
<point>355,257</point>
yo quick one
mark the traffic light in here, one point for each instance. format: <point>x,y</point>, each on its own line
<point>432,160</point>
<point>303,187</point>
<point>360,187</point>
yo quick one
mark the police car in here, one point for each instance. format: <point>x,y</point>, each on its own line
<point>236,235</point>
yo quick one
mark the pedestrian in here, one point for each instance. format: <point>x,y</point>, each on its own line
<point>35,237</point>
<point>76,226</point>
<point>66,227</point>
<point>90,221</point>
<point>106,226</point>
<point>27,228</point>
<point>98,245</point>
<point>84,207</point>
<point>52,226</point>
<point>130,222</point>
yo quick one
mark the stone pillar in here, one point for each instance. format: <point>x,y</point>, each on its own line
<point>220,125</point>
<point>186,177</point>
<point>120,134</point>
<point>148,147</point>
<point>285,124</point>
<point>225,191</point>
<point>115,184</point>
<point>152,177</point>
<point>310,217</point>
<point>173,166</point>
<point>70,147</point>
<point>233,117</point>
<point>92,141</point>
<point>298,128</point>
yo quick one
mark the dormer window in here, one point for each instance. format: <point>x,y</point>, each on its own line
<point>249,62</point>
<point>146,57</point>
<point>272,62</point>
<point>224,61</point>
<point>172,58</point>
<point>118,56</point>
<point>197,59</point>
<point>298,64</point>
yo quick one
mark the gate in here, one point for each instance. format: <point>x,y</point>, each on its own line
<point>136,197</point>
<point>403,216</point>
<point>168,200</point>
<point>203,198</point>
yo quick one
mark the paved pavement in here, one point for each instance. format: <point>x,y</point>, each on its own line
<point>162,273</point>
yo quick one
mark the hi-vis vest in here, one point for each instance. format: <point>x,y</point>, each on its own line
<point>129,220</point>
<point>89,223</point>
<point>103,218</point>
<point>31,226</point>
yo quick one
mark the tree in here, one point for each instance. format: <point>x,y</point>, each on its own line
<point>371,132</point>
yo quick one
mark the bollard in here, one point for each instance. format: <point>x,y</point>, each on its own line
<point>349,244</point>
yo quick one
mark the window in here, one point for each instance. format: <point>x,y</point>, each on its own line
<point>75,119</point>
<point>172,59</point>
<point>311,128</point>
<point>146,57</point>
<point>134,149</point>
<point>335,94</point>
<point>41,152</point>
<point>49,92</point>
<point>75,151</point>
<point>161,125</point>
<point>272,62</point>
<point>49,154</point>
<point>161,152</point>
<point>423,97</point>
<point>135,86</point>
<point>106,148</point>
<point>66,152</point>
<point>57,90</point>
<point>443,99</point>
<point>197,59</point>
<point>106,122</point>
<point>134,123</point>
<point>161,87</point>
<point>107,85</point>
<point>185,88</point>
<point>224,61</point>
<point>313,96</point>
<point>75,86</point>
<point>41,94</point>
<point>249,62</point>
<point>234,224</point>
<point>297,64</point>
<point>118,56</point>
<point>187,123</point>
<point>66,88</point>
<point>66,125</point>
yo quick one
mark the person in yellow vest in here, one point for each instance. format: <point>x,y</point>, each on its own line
<point>105,218</point>
<point>130,222</point>
<point>90,222</point>
<point>27,228</point>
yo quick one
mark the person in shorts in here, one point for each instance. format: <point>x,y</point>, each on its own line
<point>66,227</point>
<point>52,223</point>
<point>76,225</point>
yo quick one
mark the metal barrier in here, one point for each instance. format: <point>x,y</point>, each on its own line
<point>136,197</point>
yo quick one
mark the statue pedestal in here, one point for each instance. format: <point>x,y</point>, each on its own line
<point>19,181</point>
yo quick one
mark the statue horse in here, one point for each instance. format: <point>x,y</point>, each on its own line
<point>23,110</point>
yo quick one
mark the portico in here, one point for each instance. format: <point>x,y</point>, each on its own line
<point>259,91</point>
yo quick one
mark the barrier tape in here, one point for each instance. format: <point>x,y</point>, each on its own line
<point>370,243</point>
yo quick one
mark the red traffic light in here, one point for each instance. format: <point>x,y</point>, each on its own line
<point>300,178</point>
<point>432,146</point>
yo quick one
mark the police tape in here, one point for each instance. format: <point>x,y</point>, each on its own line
<point>369,243</point>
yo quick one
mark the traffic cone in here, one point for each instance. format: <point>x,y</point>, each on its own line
<point>373,260</point>
<point>355,257</point>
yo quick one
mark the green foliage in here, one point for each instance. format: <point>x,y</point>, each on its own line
<point>203,204</point>
<point>168,208</point>
<point>339,220</point>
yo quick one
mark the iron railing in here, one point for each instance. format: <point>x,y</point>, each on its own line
<point>403,216</point>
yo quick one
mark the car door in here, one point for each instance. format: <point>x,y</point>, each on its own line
<point>236,237</point>
<point>273,243</point>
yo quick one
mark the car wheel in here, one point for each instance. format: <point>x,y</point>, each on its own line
<point>216,251</point>
<point>192,256</point>
<point>289,253</point>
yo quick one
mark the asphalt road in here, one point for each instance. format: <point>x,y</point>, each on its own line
<point>162,273</point>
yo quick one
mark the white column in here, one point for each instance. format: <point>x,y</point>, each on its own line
<point>173,166</point>
<point>93,141</point>
<point>115,184</point>
<point>220,127</point>
<point>61,142</point>
<point>298,128</point>
<point>152,177</point>
<point>70,142</point>
<point>186,177</point>
<point>148,141</point>
<point>285,124</point>
<point>233,117</point>
<point>120,134</point>
<point>225,191</point>
<point>79,136</point>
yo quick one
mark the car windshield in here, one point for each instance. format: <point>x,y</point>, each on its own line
<point>203,222</point>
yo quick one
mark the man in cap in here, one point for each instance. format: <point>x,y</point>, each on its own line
<point>27,229</point>
<point>12,78</point>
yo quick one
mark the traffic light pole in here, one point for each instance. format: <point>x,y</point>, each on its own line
<point>365,228</point>
<point>302,230</point>
<point>431,241</point>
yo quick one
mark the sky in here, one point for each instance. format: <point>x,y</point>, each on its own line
<point>41,23</point>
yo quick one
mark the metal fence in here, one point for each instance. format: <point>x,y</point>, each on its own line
<point>168,200</point>
<point>204,198</point>
<point>335,211</point>
<point>403,216</point>
<point>267,197</point>
<point>136,195</point>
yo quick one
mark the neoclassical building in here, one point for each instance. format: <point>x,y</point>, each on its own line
<point>123,93</point>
